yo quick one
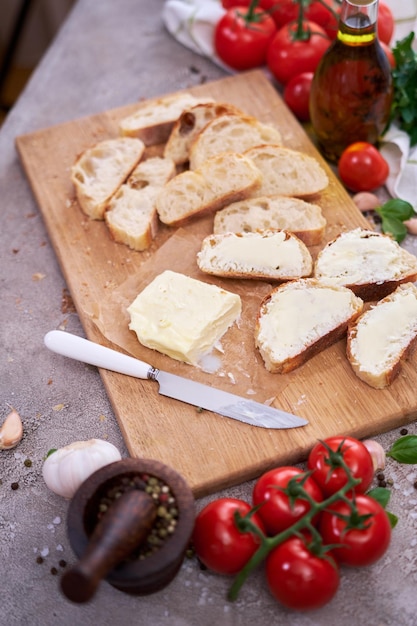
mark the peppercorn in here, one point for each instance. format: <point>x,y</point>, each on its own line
<point>403,431</point>
<point>54,571</point>
<point>14,486</point>
<point>27,463</point>
<point>39,559</point>
<point>62,563</point>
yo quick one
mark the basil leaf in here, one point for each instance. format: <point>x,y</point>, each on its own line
<point>400,209</point>
<point>394,227</point>
<point>381,495</point>
<point>404,450</point>
<point>393,519</point>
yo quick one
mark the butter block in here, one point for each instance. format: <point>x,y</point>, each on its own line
<point>182,317</point>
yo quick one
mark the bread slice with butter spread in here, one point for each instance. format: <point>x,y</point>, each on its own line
<point>304,219</point>
<point>271,255</point>
<point>299,319</point>
<point>381,339</point>
<point>182,317</point>
<point>368,262</point>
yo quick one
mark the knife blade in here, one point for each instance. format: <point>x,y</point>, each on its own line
<point>171,385</point>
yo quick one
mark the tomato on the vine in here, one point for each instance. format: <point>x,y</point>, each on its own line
<point>297,95</point>
<point>329,476</point>
<point>363,541</point>
<point>300,579</point>
<point>288,56</point>
<point>242,37</point>
<point>217,540</point>
<point>362,167</point>
<point>278,511</point>
<point>385,23</point>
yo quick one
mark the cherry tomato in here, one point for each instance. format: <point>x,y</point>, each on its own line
<point>362,167</point>
<point>325,16</point>
<point>360,546</point>
<point>218,542</point>
<point>298,578</point>
<point>386,23</point>
<point>288,57</point>
<point>297,95</point>
<point>240,43</point>
<point>355,455</point>
<point>277,511</point>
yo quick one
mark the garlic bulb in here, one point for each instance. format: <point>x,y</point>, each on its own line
<point>67,468</point>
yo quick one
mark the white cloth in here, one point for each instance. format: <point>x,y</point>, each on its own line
<point>192,23</point>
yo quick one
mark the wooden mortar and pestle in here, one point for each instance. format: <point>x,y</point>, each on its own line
<point>130,523</point>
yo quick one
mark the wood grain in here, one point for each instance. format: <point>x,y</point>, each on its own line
<point>211,452</point>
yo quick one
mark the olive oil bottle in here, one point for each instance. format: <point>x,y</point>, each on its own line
<point>351,92</point>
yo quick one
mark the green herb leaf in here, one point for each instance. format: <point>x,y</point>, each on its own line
<point>392,214</point>
<point>51,451</point>
<point>404,78</point>
<point>393,519</point>
<point>404,450</point>
<point>381,495</point>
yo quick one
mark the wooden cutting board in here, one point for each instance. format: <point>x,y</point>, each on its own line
<point>210,451</point>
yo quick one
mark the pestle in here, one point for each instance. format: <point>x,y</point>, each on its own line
<point>116,535</point>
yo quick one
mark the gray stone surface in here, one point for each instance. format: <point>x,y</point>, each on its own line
<point>109,54</point>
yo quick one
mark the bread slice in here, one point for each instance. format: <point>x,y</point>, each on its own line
<point>304,219</point>
<point>183,317</point>
<point>152,122</point>
<point>221,180</point>
<point>381,339</point>
<point>100,170</point>
<point>271,255</point>
<point>287,172</point>
<point>131,214</point>
<point>190,123</point>
<point>299,319</point>
<point>234,133</point>
<point>368,262</point>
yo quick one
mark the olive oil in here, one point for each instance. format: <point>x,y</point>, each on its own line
<point>351,92</point>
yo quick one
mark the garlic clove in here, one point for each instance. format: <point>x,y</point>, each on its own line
<point>366,201</point>
<point>11,431</point>
<point>377,453</point>
<point>411,225</point>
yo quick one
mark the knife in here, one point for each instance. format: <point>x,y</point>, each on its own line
<point>189,391</point>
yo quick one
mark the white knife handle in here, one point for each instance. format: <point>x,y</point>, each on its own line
<point>87,351</point>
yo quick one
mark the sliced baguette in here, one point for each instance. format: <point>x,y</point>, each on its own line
<point>190,123</point>
<point>287,172</point>
<point>234,133</point>
<point>380,340</point>
<point>370,263</point>
<point>304,219</point>
<point>131,215</point>
<point>152,122</point>
<point>100,170</point>
<point>299,319</point>
<point>221,180</point>
<point>271,255</point>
